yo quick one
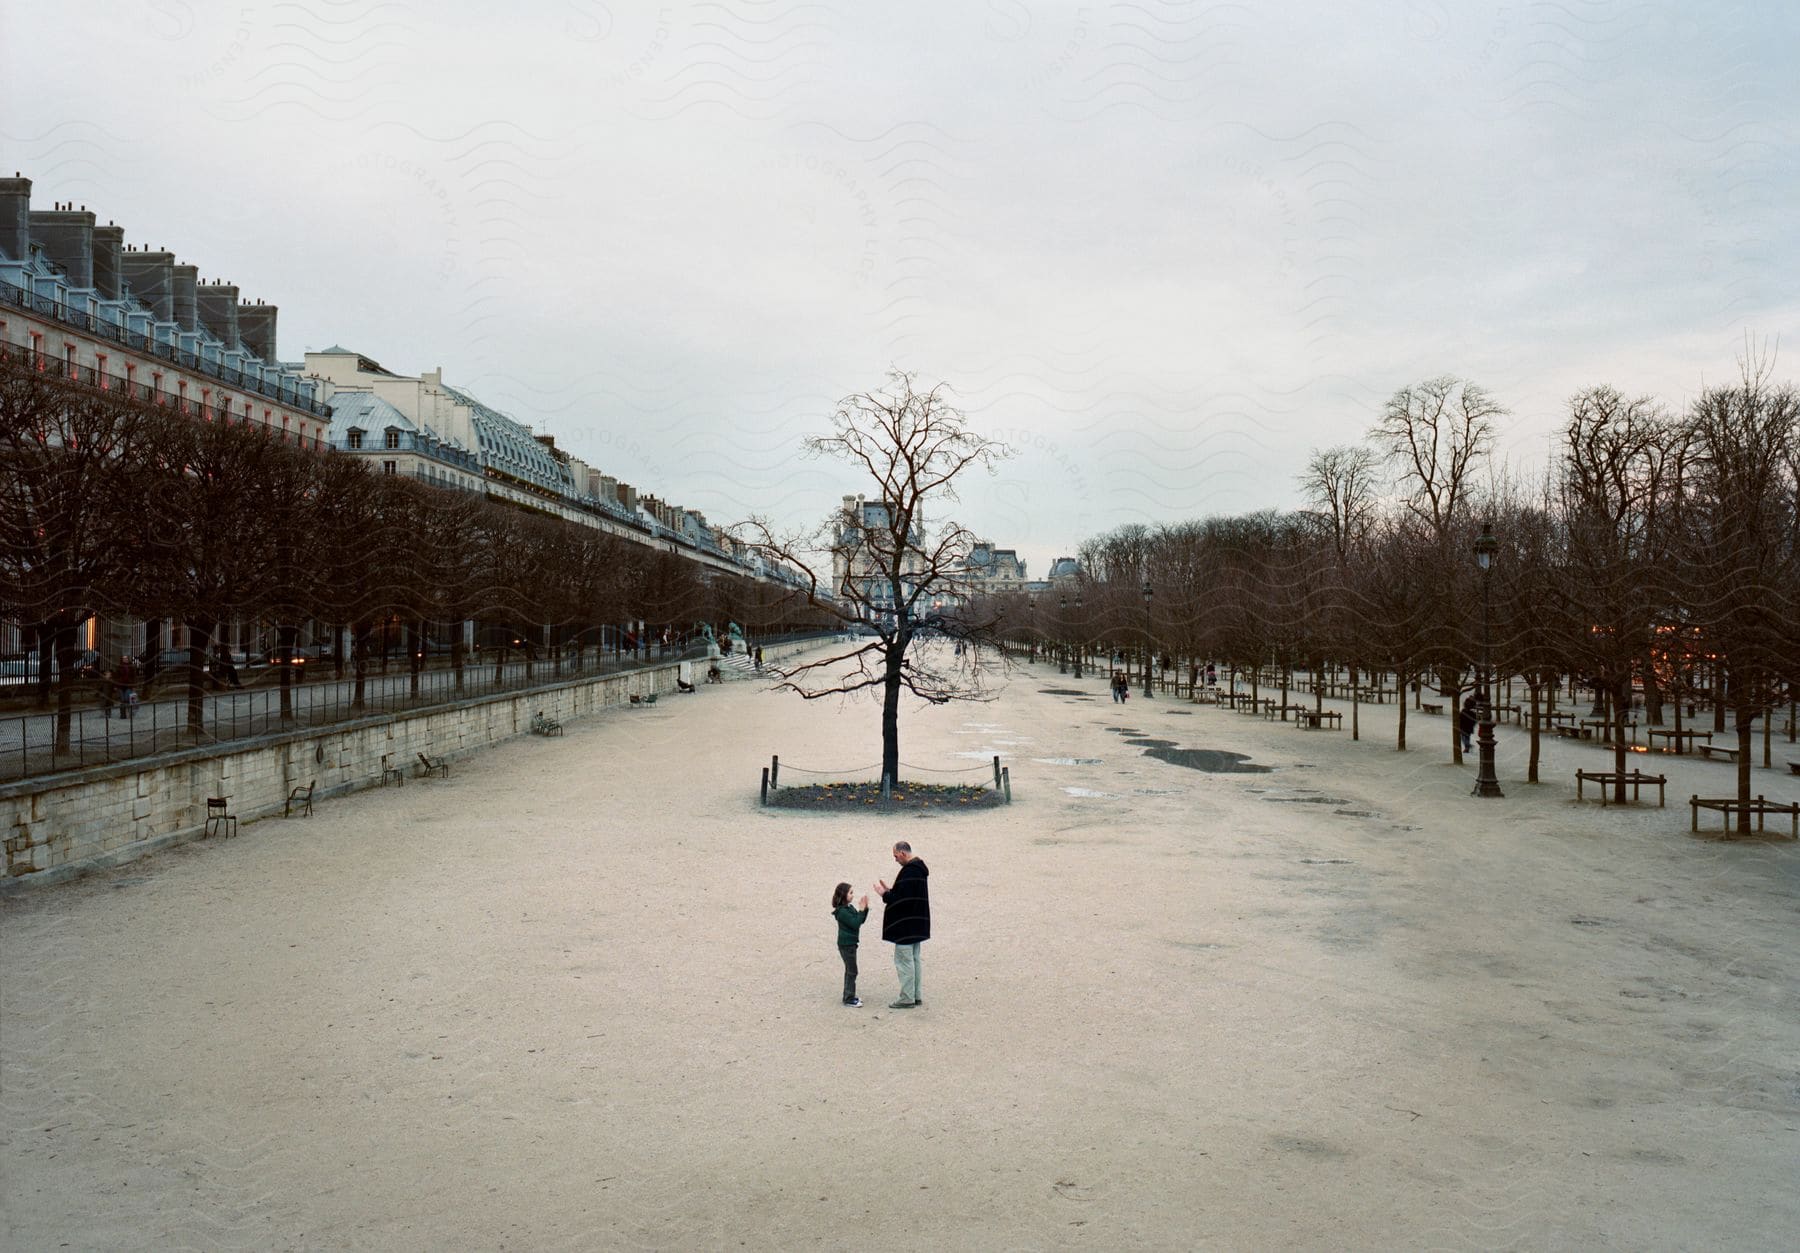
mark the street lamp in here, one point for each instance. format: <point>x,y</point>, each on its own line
<point>1149,643</point>
<point>1031,604</point>
<point>1486,783</point>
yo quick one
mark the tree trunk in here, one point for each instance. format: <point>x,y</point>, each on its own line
<point>287,640</point>
<point>45,647</point>
<point>1531,767</point>
<point>1621,712</point>
<point>890,716</point>
<point>1745,720</point>
<point>64,641</point>
<point>359,650</point>
<point>1400,700</point>
<point>199,636</point>
<point>1451,690</point>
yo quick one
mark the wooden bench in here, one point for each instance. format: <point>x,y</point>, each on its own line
<point>540,725</point>
<point>1719,752</point>
<point>429,766</point>
<point>301,796</point>
<point>1430,708</point>
<point>1608,778</point>
<point>1794,767</point>
<point>1314,719</point>
<point>1761,807</point>
<point>1571,733</point>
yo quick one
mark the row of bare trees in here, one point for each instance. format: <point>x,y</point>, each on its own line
<point>1659,555</point>
<point>118,508</point>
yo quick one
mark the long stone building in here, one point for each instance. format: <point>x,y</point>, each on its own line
<point>77,299</point>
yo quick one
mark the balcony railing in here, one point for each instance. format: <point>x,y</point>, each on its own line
<point>66,371</point>
<point>283,389</point>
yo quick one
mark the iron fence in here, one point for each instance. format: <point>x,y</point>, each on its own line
<point>98,735</point>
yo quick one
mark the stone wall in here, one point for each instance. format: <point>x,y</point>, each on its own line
<point>59,827</point>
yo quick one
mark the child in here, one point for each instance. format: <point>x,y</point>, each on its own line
<point>849,922</point>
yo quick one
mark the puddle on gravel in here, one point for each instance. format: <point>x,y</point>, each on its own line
<point>1211,760</point>
<point>1068,761</point>
<point>1306,800</point>
<point>1326,861</point>
<point>1084,791</point>
<point>1144,741</point>
<point>1062,691</point>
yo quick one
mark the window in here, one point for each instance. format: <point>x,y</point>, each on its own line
<point>131,380</point>
<point>100,372</point>
<point>181,394</point>
<point>393,438</point>
<point>388,467</point>
<point>353,439</point>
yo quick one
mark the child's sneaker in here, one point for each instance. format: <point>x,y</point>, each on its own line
<point>853,1004</point>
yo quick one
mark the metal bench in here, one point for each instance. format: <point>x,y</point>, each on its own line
<point>540,725</point>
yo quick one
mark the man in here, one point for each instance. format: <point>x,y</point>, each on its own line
<point>906,921</point>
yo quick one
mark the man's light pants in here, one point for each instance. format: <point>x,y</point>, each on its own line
<point>906,963</point>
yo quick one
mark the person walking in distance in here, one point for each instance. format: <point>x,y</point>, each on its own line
<point>906,921</point>
<point>849,923</point>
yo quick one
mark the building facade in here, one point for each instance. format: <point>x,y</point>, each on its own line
<point>77,300</point>
<point>422,427</point>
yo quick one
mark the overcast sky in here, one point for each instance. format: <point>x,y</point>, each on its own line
<point>1164,249</point>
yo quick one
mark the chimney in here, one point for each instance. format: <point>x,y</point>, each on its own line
<point>627,496</point>
<point>184,295</point>
<point>15,217</point>
<point>217,306</point>
<point>256,328</point>
<point>109,247</point>
<point>150,275</point>
<point>67,238</point>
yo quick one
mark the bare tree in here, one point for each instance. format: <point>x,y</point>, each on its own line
<point>1742,564</point>
<point>1436,434</point>
<point>879,568</point>
<point>1611,483</point>
<point>65,531</point>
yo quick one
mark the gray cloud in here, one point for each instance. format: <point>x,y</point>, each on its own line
<point>1164,248</point>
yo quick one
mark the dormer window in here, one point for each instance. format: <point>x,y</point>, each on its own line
<point>391,438</point>
<point>353,438</point>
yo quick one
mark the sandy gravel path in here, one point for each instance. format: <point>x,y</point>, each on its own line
<point>584,995</point>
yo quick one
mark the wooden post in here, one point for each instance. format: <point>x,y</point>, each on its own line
<point>775,772</point>
<point>765,785</point>
<point>887,787</point>
<point>996,771</point>
<point>1006,783</point>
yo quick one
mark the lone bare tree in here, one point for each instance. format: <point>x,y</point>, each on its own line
<point>875,566</point>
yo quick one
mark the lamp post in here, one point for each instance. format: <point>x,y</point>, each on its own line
<point>1031,605</point>
<point>1486,783</point>
<point>1149,643</point>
